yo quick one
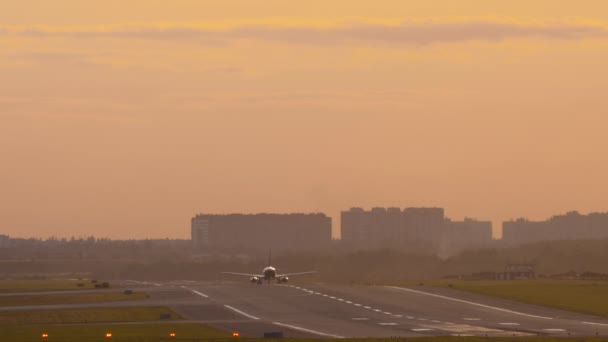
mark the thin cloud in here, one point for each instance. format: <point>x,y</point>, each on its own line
<point>419,33</point>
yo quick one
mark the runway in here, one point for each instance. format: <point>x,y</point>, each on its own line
<point>336,311</point>
<point>324,310</point>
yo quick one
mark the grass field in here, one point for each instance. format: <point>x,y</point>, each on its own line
<point>96,315</point>
<point>135,332</point>
<point>7,286</point>
<point>74,298</point>
<point>583,296</point>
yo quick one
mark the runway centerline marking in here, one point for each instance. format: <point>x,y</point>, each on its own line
<point>508,323</point>
<point>241,312</point>
<point>306,330</point>
<point>357,304</point>
<point>348,302</point>
<point>367,307</point>
<point>387,313</point>
<point>388,323</point>
<point>468,302</point>
<point>472,319</point>
<point>554,330</point>
<point>398,316</point>
<point>360,319</point>
<point>422,329</point>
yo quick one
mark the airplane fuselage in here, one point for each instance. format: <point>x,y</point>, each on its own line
<point>269,273</point>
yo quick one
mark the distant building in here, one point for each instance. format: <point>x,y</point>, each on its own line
<point>424,225</point>
<point>356,228</point>
<point>467,234</point>
<point>518,272</point>
<point>261,232</point>
<point>5,241</point>
<point>412,227</point>
<point>571,226</point>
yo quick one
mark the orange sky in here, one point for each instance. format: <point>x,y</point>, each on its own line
<point>125,119</point>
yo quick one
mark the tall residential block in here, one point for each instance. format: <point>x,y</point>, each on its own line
<point>571,226</point>
<point>261,232</point>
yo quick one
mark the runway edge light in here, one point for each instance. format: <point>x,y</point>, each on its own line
<point>172,334</point>
<point>109,335</point>
<point>236,334</point>
<point>44,335</point>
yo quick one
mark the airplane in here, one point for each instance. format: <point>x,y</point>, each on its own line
<point>269,274</point>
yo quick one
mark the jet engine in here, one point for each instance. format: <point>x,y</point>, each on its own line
<point>283,279</point>
<point>255,280</point>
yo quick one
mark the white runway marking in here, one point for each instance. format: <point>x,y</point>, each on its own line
<point>387,313</point>
<point>195,292</point>
<point>200,294</point>
<point>554,330</point>
<point>422,329</point>
<point>360,319</point>
<point>357,304</point>
<point>348,302</point>
<point>398,316</point>
<point>513,324</point>
<point>367,307</point>
<point>340,299</point>
<point>325,295</point>
<point>332,297</point>
<point>388,323</point>
<point>377,310</point>
<point>317,293</point>
<point>594,323</point>
<point>468,302</point>
<point>410,317</point>
<point>435,321</point>
<point>241,312</point>
<point>306,330</point>
<point>472,319</point>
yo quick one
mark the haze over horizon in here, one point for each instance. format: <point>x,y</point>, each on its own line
<point>124,119</point>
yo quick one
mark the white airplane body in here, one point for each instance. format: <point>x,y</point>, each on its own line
<point>269,274</point>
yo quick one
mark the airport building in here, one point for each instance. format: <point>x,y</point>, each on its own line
<point>418,228</point>
<point>571,226</point>
<point>260,232</point>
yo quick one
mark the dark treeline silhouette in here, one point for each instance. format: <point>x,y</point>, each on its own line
<point>372,266</point>
<point>94,248</point>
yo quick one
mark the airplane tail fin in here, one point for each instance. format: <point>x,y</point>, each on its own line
<point>270,257</point>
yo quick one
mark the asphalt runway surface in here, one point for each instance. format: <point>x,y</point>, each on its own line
<point>334,311</point>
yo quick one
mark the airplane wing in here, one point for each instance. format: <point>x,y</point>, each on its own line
<point>244,274</point>
<point>292,274</point>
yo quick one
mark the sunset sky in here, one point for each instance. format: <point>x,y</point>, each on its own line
<point>123,119</point>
